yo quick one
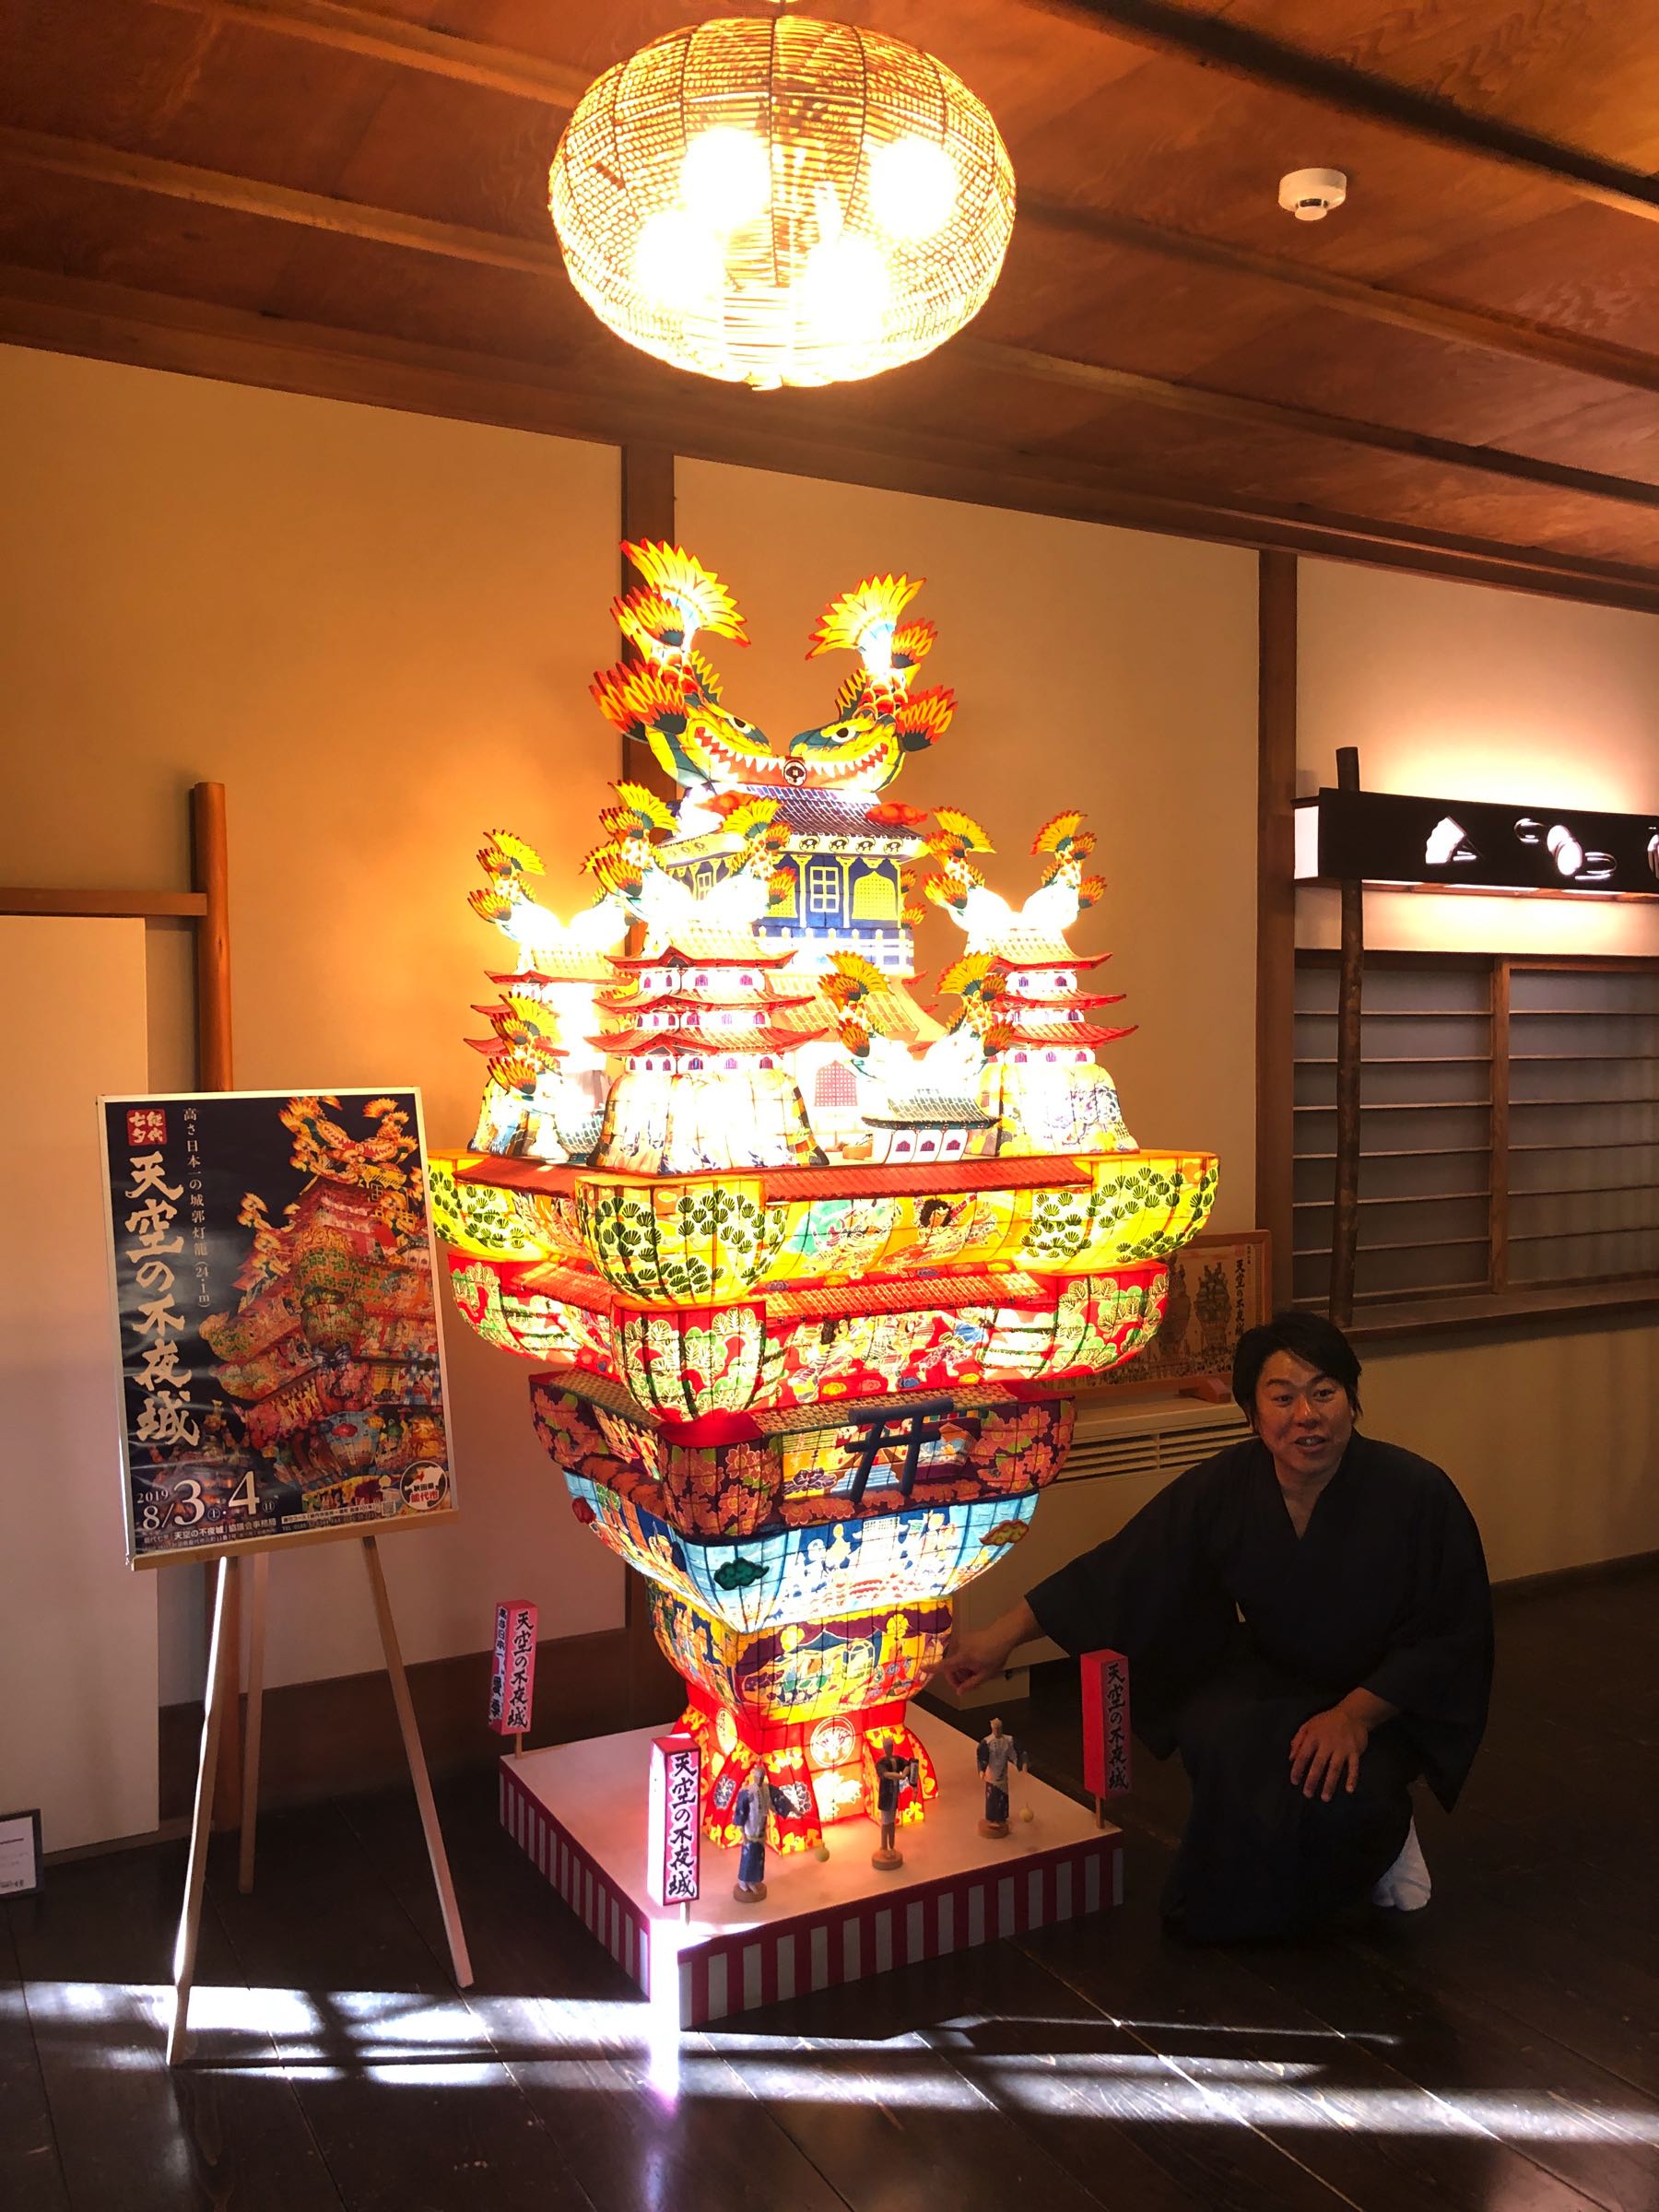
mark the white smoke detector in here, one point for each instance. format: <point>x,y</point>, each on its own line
<point>1310,194</point>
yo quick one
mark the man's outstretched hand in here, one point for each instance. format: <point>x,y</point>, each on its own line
<point>974,1656</point>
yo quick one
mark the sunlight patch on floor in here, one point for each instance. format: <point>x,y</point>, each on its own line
<point>423,2040</point>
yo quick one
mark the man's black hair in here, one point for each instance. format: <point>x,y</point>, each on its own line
<point>1306,1336</point>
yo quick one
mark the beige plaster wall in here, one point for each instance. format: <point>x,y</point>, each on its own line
<point>1553,1437</point>
<point>376,630</point>
<point>1106,669</point>
<point>1460,691</point>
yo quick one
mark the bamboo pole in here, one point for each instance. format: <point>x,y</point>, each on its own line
<point>1345,1202</point>
<point>1275,912</point>
<point>209,875</point>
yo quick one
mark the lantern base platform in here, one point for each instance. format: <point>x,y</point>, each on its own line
<point>578,1811</point>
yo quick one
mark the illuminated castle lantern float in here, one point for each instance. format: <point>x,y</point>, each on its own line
<point>813,1288</point>
<point>332,1348</point>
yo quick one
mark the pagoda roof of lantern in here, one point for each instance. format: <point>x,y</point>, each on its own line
<point>1034,948</point>
<point>629,1002</point>
<point>891,1011</point>
<point>621,1043</point>
<point>699,945</point>
<point>841,814</point>
<point>554,967</point>
<point>932,1109</point>
<point>810,816</point>
<point>1066,1032</point>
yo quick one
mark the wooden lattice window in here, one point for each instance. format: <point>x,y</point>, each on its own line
<point>1509,1124</point>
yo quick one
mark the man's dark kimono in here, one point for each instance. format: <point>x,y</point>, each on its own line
<point>1237,1631</point>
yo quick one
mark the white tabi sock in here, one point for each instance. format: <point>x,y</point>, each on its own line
<point>1405,1887</point>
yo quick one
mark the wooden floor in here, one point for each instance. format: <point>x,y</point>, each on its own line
<point>1498,2052</point>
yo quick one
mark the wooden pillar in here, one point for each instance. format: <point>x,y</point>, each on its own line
<point>652,1691</point>
<point>1498,1163</point>
<point>1276,909</point>
<point>647,518</point>
<point>209,874</point>
<point>1345,1202</point>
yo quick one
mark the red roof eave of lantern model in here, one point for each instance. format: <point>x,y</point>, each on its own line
<point>673,955</point>
<point>1016,1001</point>
<point>1058,958</point>
<point>628,1002</point>
<point>562,967</point>
<point>1063,1032</point>
<point>706,1044</point>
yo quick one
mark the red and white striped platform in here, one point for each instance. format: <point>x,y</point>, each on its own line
<point>578,1810</point>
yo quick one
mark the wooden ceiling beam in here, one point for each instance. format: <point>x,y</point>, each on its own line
<point>1238,50</point>
<point>527,76</point>
<point>382,226</point>
<point>410,46</point>
<point>277,203</point>
<point>234,344</point>
<point>1181,398</point>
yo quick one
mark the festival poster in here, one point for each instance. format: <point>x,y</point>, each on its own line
<point>273,1291</point>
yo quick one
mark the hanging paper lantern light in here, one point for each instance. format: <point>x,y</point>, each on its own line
<point>782,202</point>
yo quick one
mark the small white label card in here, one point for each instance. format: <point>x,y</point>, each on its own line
<point>19,1852</point>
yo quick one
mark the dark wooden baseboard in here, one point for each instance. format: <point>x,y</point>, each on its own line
<point>340,1736</point>
<point>1634,1564</point>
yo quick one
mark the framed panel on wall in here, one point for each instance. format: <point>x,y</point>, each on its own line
<point>1220,1284</point>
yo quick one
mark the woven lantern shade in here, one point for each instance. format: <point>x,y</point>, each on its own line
<point>782,201</point>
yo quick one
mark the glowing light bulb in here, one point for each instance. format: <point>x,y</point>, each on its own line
<point>843,287</point>
<point>677,260</point>
<point>911,187</point>
<point>725,177</point>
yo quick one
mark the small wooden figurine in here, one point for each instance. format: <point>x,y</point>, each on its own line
<point>893,1773</point>
<point>997,1752</point>
<point>749,1814</point>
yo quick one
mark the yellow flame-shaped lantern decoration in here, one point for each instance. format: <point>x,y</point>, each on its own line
<point>782,202</point>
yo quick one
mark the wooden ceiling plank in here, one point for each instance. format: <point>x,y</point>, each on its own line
<point>410,46</point>
<point>1489,328</point>
<point>529,77</point>
<point>1239,51</point>
<point>111,322</point>
<point>390,227</point>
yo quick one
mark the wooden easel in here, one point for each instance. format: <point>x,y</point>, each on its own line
<point>224,1672</point>
<point>226,1797</point>
<point>219,1788</point>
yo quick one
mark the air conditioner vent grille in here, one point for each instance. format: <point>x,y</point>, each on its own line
<point>1154,1451</point>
